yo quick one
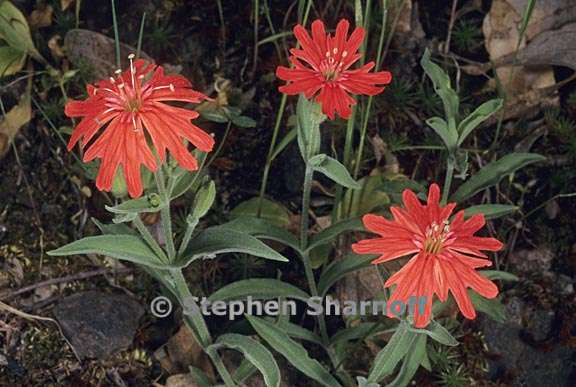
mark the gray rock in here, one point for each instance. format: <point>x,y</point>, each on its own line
<point>527,365</point>
<point>98,324</point>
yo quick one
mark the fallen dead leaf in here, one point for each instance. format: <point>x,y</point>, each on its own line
<point>54,46</point>
<point>180,380</point>
<point>13,121</point>
<point>182,351</point>
<point>41,17</point>
<point>64,4</point>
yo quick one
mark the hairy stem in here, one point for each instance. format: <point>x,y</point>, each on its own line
<point>195,321</point>
<point>165,215</point>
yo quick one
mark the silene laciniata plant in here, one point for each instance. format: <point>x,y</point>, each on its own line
<point>127,122</point>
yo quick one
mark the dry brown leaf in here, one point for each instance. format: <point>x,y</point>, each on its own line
<point>41,17</point>
<point>64,4</point>
<point>182,351</point>
<point>180,380</point>
<point>14,120</point>
<point>54,46</point>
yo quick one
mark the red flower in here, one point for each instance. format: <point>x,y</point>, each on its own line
<point>131,111</point>
<point>328,60</point>
<point>445,253</point>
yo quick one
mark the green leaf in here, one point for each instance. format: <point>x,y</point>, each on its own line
<point>258,288</point>
<point>490,211</point>
<point>185,180</point>
<point>309,117</point>
<point>273,212</point>
<point>218,240</point>
<point>243,121</point>
<point>363,382</point>
<point>498,275</point>
<point>359,202</point>
<point>440,126</point>
<point>416,356</point>
<point>330,233</point>
<point>492,173</point>
<point>492,307</point>
<point>11,61</point>
<point>244,371</point>
<point>478,116</point>
<point>204,199</point>
<point>389,357</point>
<point>256,353</point>
<point>438,333</point>
<point>288,138</point>
<point>335,171</point>
<point>294,352</point>
<point>356,332</point>
<point>125,247</point>
<point>443,88</point>
<point>261,229</point>
<point>148,203</point>
<point>199,377</point>
<point>338,269</point>
<point>298,332</point>
<point>14,28</point>
<point>114,229</point>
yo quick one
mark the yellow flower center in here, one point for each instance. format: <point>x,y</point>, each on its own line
<point>436,235</point>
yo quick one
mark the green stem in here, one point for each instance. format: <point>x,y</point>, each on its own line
<point>195,321</point>
<point>165,215</point>
<point>308,177</point>
<point>448,179</point>
<point>366,117</point>
<point>116,35</point>
<point>269,159</point>
<point>187,236</point>
<point>347,157</point>
<point>149,239</point>
<point>279,116</point>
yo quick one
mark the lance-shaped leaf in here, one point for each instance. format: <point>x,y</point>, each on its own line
<point>478,116</point>
<point>448,136</point>
<point>394,351</point>
<point>258,288</point>
<point>490,211</point>
<point>338,269</point>
<point>442,87</point>
<point>204,200</point>
<point>262,229</point>
<point>438,333</point>
<point>273,212</point>
<point>11,60</point>
<point>254,352</point>
<point>492,173</point>
<point>498,275</point>
<point>294,352</point>
<point>298,332</point>
<point>149,203</point>
<point>335,171</point>
<point>218,240</point>
<point>416,356</point>
<point>125,247</point>
<point>14,28</point>
<point>329,234</point>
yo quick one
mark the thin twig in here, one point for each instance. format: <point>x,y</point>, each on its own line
<point>450,26</point>
<point>60,280</point>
